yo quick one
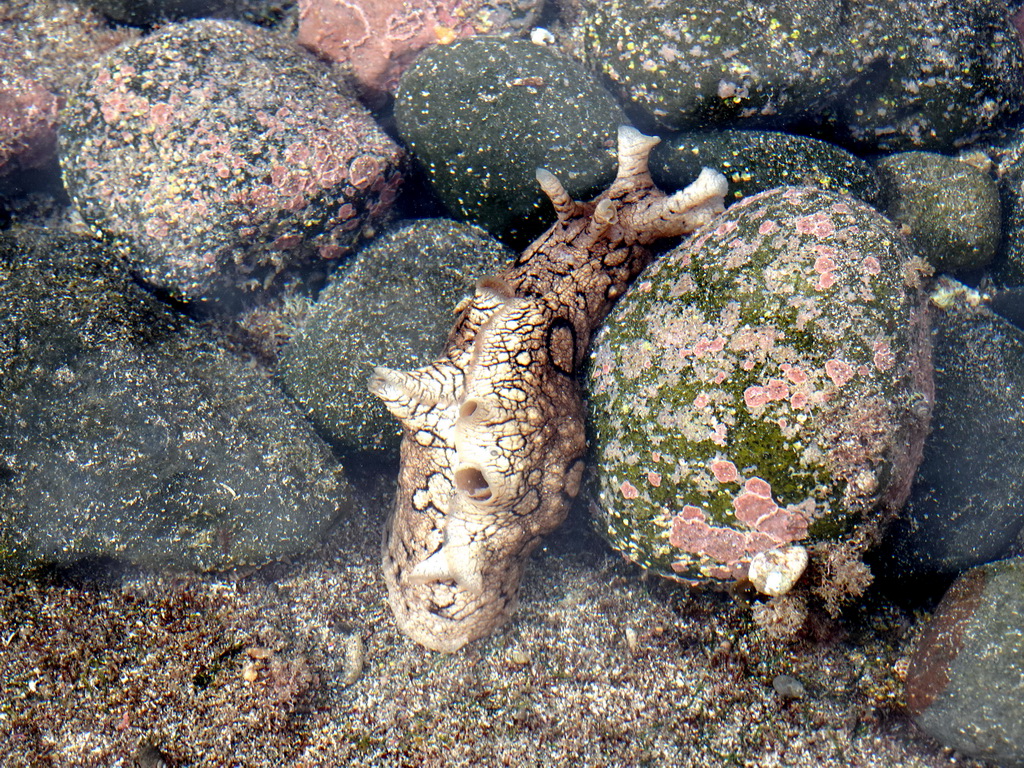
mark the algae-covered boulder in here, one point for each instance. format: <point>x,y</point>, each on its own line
<point>765,383</point>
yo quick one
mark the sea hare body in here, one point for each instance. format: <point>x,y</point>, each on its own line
<point>493,446</point>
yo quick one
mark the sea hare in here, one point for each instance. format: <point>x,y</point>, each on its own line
<point>493,445</point>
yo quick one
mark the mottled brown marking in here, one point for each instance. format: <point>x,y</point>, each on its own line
<point>942,641</point>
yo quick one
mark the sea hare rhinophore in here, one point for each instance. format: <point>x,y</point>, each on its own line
<point>493,446</point>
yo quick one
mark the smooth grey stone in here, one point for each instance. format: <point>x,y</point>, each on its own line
<point>967,501</point>
<point>965,682</point>
<point>125,433</point>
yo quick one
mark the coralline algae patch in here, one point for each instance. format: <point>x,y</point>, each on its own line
<point>766,382</point>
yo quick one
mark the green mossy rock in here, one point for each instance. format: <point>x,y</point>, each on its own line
<point>764,383</point>
<point>951,207</point>
<point>891,74</point>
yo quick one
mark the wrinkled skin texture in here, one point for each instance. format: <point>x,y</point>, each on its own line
<point>492,454</point>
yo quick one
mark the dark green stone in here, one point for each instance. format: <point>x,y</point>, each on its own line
<point>951,208</point>
<point>483,113</point>
<point>756,161</point>
<point>689,65</point>
<point>892,74</point>
<point>125,433</point>
<point>964,508</point>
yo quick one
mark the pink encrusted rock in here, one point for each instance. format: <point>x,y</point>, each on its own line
<point>222,158</point>
<point>782,407</point>
<point>378,39</point>
<point>28,124</point>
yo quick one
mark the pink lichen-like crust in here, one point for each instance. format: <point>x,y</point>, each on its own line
<point>379,39</point>
<point>493,448</point>
<point>768,524</point>
<point>776,401</point>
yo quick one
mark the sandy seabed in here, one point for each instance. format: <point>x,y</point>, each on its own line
<point>300,664</point>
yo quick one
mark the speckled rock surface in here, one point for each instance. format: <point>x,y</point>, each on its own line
<point>896,74</point>
<point>756,161</point>
<point>951,208</point>
<point>940,73</point>
<point>378,39</point>
<point>965,506</point>
<point>215,156</point>
<point>52,41</point>
<point>965,682</point>
<point>1010,172</point>
<point>766,382</point>
<point>124,433</point>
<point>392,306</point>
<point>481,114</point>
<point>731,62</point>
<point>28,124</point>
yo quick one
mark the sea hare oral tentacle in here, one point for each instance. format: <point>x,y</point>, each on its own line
<point>493,449</point>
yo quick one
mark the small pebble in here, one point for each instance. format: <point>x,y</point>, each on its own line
<point>788,687</point>
<point>355,657</point>
<point>541,36</point>
<point>775,571</point>
<point>520,657</point>
<point>632,639</point>
<point>250,671</point>
<point>148,756</point>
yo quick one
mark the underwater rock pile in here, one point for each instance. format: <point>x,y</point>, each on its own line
<point>759,399</point>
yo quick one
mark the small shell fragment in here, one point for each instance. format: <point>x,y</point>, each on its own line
<point>632,639</point>
<point>519,657</point>
<point>541,36</point>
<point>775,571</point>
<point>354,658</point>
